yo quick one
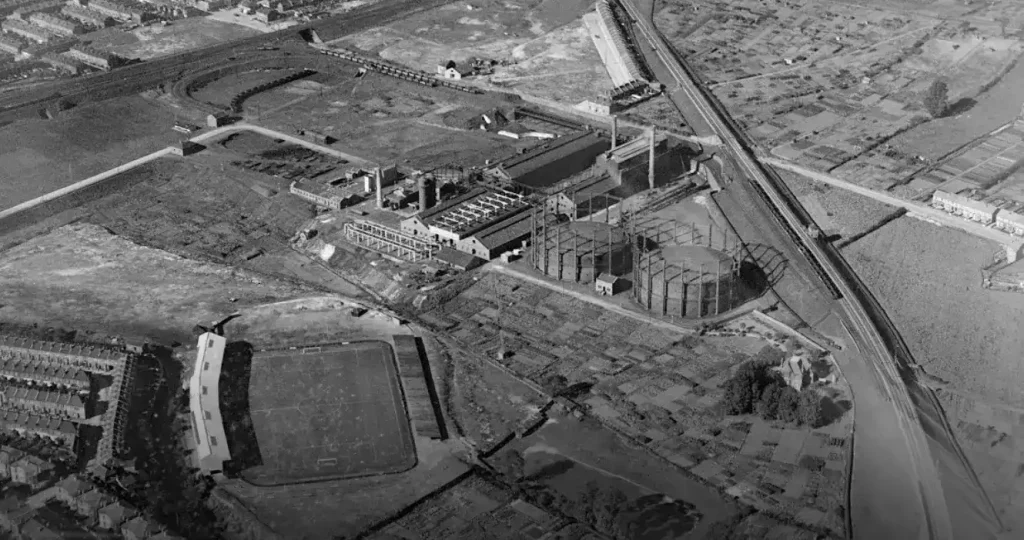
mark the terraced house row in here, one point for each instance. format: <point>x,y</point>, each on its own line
<point>50,402</point>
<point>57,24</point>
<point>43,372</point>
<point>25,423</point>
<point>85,357</point>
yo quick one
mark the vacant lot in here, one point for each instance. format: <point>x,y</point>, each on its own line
<point>45,155</point>
<point>82,276</point>
<point>928,279</point>
<point>330,412</point>
<point>181,35</point>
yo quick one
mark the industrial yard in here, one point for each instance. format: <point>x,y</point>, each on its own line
<point>464,269</point>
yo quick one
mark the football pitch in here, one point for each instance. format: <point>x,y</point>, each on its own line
<point>328,412</point>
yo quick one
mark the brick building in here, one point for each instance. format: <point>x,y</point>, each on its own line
<point>25,423</point>
<point>87,16</point>
<point>51,402</point>
<point>95,57</point>
<point>1011,222</point>
<point>552,161</point>
<point>32,471</point>
<point>57,24</point>
<point>115,514</point>
<point>482,222</point>
<point>28,31</point>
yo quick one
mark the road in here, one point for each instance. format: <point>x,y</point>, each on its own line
<point>929,515</point>
<point>212,134</point>
<point>919,210</point>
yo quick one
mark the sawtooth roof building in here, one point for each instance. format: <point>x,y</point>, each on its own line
<point>207,424</point>
<point>483,222</point>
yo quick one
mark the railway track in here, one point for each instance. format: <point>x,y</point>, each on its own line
<point>833,271</point>
<point>139,77</point>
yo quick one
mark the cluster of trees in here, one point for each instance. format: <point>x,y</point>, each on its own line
<point>756,388</point>
<point>935,99</point>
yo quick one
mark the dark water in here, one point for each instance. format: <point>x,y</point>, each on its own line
<point>657,517</point>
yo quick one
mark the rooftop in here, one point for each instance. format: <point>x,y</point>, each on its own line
<point>457,258</point>
<point>548,152</point>
<point>1011,217</point>
<point>74,349</point>
<point>505,230</point>
<point>964,201</point>
<point>636,146</point>
<point>474,211</point>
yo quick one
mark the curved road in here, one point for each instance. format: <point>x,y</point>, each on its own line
<point>902,453</point>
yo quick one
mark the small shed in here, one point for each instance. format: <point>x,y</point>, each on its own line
<point>187,148</point>
<point>609,285</point>
<point>218,120</point>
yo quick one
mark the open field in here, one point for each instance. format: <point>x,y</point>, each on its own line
<point>182,35</point>
<point>328,412</point>
<point>91,139</point>
<point>385,119</point>
<point>841,215</point>
<point>826,91</point>
<point>111,285</point>
<point>928,280</point>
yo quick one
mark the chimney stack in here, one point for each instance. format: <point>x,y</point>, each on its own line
<point>426,193</point>
<point>437,191</point>
<point>380,195</point>
<point>615,131</point>
<point>650,164</point>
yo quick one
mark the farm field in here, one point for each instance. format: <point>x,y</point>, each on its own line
<point>328,412</point>
<point>656,385</point>
<point>111,285</point>
<point>182,35</point>
<point>841,215</point>
<point>967,337</point>
<point>826,91</point>
<point>90,138</point>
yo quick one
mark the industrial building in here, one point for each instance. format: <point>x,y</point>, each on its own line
<point>384,239</point>
<point>683,272</point>
<point>87,16</point>
<point>629,164</point>
<point>612,45</point>
<point>64,63</point>
<point>552,161</point>
<point>28,31</point>
<point>585,198</point>
<point>46,6</point>
<point>483,222</point>
<point>57,24</point>
<point>94,57</point>
<point>960,205</point>
<point>122,11</point>
<point>323,195</point>
<point>207,425</point>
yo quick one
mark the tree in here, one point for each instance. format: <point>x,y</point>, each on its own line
<point>935,98</point>
<point>809,407</point>
<point>789,402</point>
<point>768,405</point>
<point>555,383</point>
<point>740,391</point>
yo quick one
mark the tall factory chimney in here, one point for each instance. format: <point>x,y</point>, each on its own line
<point>380,195</point>
<point>650,161</point>
<point>426,194</point>
<point>615,130</point>
<point>437,191</point>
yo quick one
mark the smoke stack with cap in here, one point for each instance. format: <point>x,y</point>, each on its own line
<point>380,195</point>
<point>650,164</point>
<point>615,131</point>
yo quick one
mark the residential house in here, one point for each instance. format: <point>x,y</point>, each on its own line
<point>89,503</point>
<point>8,456</point>
<point>455,70</point>
<point>116,514</point>
<point>967,207</point>
<point>267,15</point>
<point>71,488</point>
<point>14,512</point>
<point>139,528</point>
<point>34,530</point>
<point>32,470</point>
<point>1011,222</point>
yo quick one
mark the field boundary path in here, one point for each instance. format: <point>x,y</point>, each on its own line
<point>932,215</point>
<point>105,175</point>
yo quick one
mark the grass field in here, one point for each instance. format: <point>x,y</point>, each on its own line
<point>90,139</point>
<point>328,413</point>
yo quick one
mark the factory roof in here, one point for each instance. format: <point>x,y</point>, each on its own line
<point>600,185</point>
<point>547,153</point>
<point>636,147</point>
<point>505,231</point>
<point>458,259</point>
<point>474,211</point>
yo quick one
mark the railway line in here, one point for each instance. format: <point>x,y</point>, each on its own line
<point>853,297</point>
<point>145,75</point>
